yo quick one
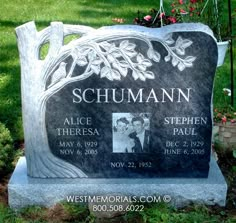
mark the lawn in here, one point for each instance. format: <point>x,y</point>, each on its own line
<point>92,13</point>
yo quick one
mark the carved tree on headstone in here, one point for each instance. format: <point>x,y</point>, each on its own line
<point>97,55</point>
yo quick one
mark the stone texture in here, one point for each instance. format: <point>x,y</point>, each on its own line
<point>233,139</point>
<point>190,158</point>
<point>170,71</point>
<point>226,134</point>
<point>115,208</point>
<point>24,190</point>
<point>233,129</point>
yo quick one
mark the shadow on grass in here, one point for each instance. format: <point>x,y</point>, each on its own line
<point>95,13</point>
<point>43,24</point>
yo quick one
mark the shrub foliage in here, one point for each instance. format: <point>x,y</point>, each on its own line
<point>6,150</point>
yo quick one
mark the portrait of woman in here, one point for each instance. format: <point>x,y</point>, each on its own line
<point>122,143</point>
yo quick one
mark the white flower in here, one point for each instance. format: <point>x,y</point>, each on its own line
<point>227,91</point>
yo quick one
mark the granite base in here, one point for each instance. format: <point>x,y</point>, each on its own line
<point>24,191</point>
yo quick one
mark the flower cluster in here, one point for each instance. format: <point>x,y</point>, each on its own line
<point>185,12</point>
<point>181,11</point>
<point>154,19</point>
<point>226,113</point>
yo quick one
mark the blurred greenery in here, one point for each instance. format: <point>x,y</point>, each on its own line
<point>6,150</point>
<point>152,213</point>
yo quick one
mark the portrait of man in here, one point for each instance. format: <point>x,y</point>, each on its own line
<point>141,136</point>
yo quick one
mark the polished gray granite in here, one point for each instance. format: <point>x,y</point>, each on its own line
<point>25,191</point>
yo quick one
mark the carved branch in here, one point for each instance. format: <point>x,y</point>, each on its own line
<point>55,34</point>
<point>55,88</point>
<point>56,39</point>
<point>185,62</point>
<point>44,35</point>
<point>27,42</point>
<point>56,43</point>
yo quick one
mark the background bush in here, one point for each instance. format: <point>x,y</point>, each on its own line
<point>6,150</point>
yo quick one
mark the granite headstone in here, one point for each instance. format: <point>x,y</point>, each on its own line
<point>129,105</point>
<point>122,104</point>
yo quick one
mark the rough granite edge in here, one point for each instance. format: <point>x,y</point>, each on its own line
<point>160,32</point>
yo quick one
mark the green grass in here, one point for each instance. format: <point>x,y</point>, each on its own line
<point>152,213</point>
<point>162,213</point>
<point>92,13</point>
<point>16,12</point>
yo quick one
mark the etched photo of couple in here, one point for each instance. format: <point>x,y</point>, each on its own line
<point>131,132</point>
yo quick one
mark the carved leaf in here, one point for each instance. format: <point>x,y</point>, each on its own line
<point>131,46</point>
<point>123,70</point>
<point>181,44</point>
<point>181,66</point>
<point>147,63</point>
<point>188,61</point>
<point>153,55</point>
<point>180,51</point>
<point>123,63</point>
<point>127,45</point>
<point>116,65</point>
<point>169,39</point>
<point>109,47</point>
<point>106,72</point>
<point>186,43</point>
<point>110,58</point>
<point>105,45</point>
<point>156,57</point>
<point>85,52</point>
<point>128,48</point>
<point>149,75</point>
<point>140,58</point>
<point>150,53</point>
<point>142,62</point>
<point>174,61</point>
<point>167,58</point>
<point>141,76</point>
<point>92,55</point>
<point>178,42</point>
<point>138,75</point>
<point>142,67</point>
<point>96,69</point>
<point>124,44</point>
<point>135,75</point>
<point>131,53</point>
<point>96,62</point>
<point>81,61</point>
<point>76,52</point>
<point>116,54</point>
<point>115,75</point>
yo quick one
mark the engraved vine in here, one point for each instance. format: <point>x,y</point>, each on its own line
<point>113,61</point>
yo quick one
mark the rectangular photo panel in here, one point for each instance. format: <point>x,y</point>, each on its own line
<point>131,132</point>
